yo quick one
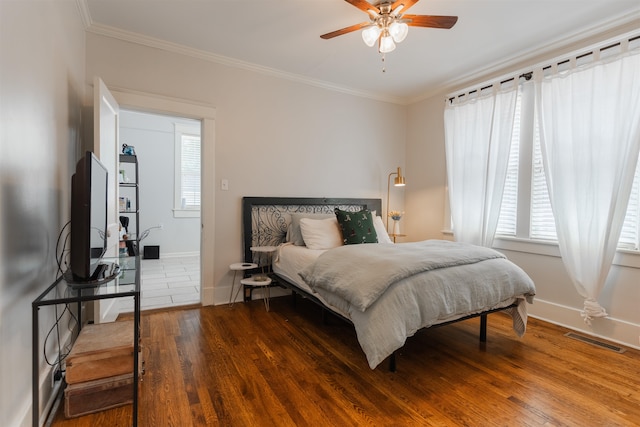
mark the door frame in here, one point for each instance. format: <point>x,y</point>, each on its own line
<point>206,114</point>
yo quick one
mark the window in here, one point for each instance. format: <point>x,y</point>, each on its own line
<point>526,210</point>
<point>187,171</point>
<point>543,225</point>
<point>630,236</point>
<point>508,212</point>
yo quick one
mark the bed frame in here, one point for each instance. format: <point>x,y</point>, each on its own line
<point>265,221</point>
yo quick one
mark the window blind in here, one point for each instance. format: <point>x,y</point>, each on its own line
<point>190,171</point>
<point>542,222</point>
<point>630,236</point>
<point>509,209</point>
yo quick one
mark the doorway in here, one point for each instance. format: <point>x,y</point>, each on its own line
<point>169,163</point>
<point>206,114</point>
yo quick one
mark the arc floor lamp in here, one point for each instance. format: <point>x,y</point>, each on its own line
<point>399,181</point>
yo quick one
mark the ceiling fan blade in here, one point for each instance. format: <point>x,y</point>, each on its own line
<point>364,5</point>
<point>406,4</point>
<point>430,21</point>
<point>345,30</point>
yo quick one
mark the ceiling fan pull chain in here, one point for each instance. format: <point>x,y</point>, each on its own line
<point>384,67</point>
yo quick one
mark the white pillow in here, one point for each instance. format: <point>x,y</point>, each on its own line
<point>321,233</point>
<point>381,230</point>
<point>294,235</point>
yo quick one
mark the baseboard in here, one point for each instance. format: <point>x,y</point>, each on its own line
<point>207,295</point>
<point>608,328</point>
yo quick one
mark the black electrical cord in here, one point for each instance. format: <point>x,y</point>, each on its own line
<point>56,328</point>
<point>59,255</point>
<point>59,258</point>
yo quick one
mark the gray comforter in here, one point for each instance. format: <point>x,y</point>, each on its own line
<point>391,291</point>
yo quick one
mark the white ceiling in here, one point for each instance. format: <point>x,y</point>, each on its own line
<point>282,37</point>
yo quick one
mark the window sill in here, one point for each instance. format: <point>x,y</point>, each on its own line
<point>623,257</point>
<point>186,213</point>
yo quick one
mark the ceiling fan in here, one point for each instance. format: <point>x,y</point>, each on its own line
<point>388,24</point>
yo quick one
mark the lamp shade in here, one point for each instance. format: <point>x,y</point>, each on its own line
<point>370,35</point>
<point>398,31</point>
<point>399,179</point>
<point>386,43</point>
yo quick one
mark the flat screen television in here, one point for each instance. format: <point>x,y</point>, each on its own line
<point>89,222</point>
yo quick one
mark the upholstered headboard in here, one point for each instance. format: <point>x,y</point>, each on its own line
<point>265,220</point>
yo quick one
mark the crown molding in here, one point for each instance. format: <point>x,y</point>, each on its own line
<point>606,29</point>
<point>85,16</point>
<point>116,33</point>
<point>527,60</point>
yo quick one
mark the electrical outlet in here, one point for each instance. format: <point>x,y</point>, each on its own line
<point>224,184</point>
<point>161,226</point>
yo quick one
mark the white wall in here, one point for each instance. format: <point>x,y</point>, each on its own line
<point>426,171</point>
<point>557,300</point>
<point>42,54</point>
<point>274,137</point>
<point>153,137</point>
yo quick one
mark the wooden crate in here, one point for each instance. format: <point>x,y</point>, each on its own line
<point>101,351</point>
<point>98,395</point>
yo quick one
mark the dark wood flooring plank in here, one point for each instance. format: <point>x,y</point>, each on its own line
<point>243,366</point>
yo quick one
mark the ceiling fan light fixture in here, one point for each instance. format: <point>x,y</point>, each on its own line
<point>386,44</point>
<point>388,24</point>
<point>370,35</point>
<point>399,31</point>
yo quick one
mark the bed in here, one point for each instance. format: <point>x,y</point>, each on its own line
<point>387,291</point>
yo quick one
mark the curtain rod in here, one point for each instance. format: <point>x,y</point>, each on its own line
<point>529,74</point>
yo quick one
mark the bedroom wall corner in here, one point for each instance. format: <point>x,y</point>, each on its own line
<point>425,170</point>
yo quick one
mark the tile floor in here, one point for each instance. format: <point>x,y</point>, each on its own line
<point>167,282</point>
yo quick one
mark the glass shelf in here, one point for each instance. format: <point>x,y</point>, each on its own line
<point>125,284</point>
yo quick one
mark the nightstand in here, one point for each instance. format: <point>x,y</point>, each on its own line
<point>238,266</point>
<point>393,236</point>
<point>258,281</point>
<point>261,252</point>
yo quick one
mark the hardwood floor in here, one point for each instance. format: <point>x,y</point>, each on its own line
<point>243,366</point>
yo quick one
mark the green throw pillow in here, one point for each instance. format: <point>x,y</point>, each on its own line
<point>356,227</point>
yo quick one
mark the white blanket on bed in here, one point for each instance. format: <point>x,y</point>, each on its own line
<point>425,298</point>
<point>361,273</point>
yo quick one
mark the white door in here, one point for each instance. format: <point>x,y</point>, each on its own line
<point>106,148</point>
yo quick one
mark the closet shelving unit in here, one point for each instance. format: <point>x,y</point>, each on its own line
<point>130,198</point>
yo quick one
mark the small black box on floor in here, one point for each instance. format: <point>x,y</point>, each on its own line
<point>151,252</point>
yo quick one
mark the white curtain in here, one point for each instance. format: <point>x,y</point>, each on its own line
<point>477,141</point>
<point>589,120</point>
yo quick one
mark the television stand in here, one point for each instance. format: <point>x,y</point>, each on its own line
<point>126,283</point>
